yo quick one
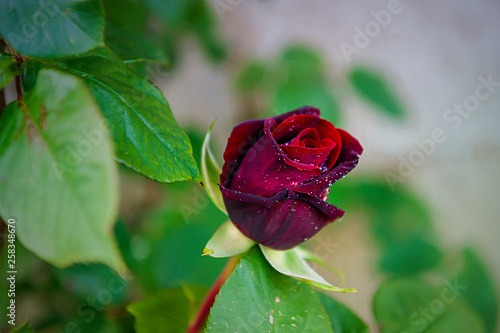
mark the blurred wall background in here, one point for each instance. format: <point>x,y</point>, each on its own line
<point>435,53</point>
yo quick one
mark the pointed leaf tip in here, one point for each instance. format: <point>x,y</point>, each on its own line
<point>227,241</point>
<point>293,263</point>
<point>207,252</point>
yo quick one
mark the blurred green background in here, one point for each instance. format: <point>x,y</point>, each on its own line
<point>418,219</point>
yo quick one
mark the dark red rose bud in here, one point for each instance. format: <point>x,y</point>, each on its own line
<point>277,173</point>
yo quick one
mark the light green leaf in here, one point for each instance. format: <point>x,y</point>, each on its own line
<point>57,175</point>
<point>8,69</point>
<point>256,298</point>
<point>251,77</point>
<point>52,29</point>
<point>167,311</point>
<point>146,135</point>
<point>292,263</point>
<point>210,172</point>
<point>413,305</point>
<point>480,292</point>
<point>227,241</point>
<point>374,88</point>
<point>308,255</point>
<point>343,320</point>
<point>300,91</point>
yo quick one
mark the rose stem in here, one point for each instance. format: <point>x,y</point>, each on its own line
<point>201,315</point>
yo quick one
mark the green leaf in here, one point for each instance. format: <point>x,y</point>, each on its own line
<point>303,62</point>
<point>256,298</point>
<point>251,77</point>
<point>89,280</point>
<point>167,311</point>
<point>146,135</point>
<point>481,293</point>
<point>52,29</point>
<point>195,17</point>
<point>374,88</point>
<point>174,239</point>
<point>59,162</point>
<point>299,92</point>
<point>308,255</point>
<point>8,69</point>
<point>227,241</point>
<point>292,263</point>
<point>210,172</point>
<point>131,46</point>
<point>399,222</point>
<point>343,320</point>
<point>129,13</point>
<point>412,305</point>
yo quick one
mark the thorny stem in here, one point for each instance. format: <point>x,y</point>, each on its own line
<point>201,315</point>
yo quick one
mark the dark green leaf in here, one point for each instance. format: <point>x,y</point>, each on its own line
<point>8,69</point>
<point>131,46</point>
<point>412,305</point>
<point>256,298</point>
<point>90,280</point>
<point>60,162</point>
<point>343,320</point>
<point>132,14</point>
<point>147,137</point>
<point>52,29</point>
<point>481,293</point>
<point>191,16</point>
<point>168,311</point>
<point>175,238</point>
<point>374,88</point>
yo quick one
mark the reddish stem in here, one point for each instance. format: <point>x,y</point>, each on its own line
<point>201,315</point>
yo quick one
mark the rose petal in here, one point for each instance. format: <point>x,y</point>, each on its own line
<point>282,221</point>
<point>347,160</point>
<point>311,156</point>
<point>309,134</point>
<point>241,139</point>
<point>266,170</point>
<point>306,110</point>
<point>292,126</point>
<point>246,134</point>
